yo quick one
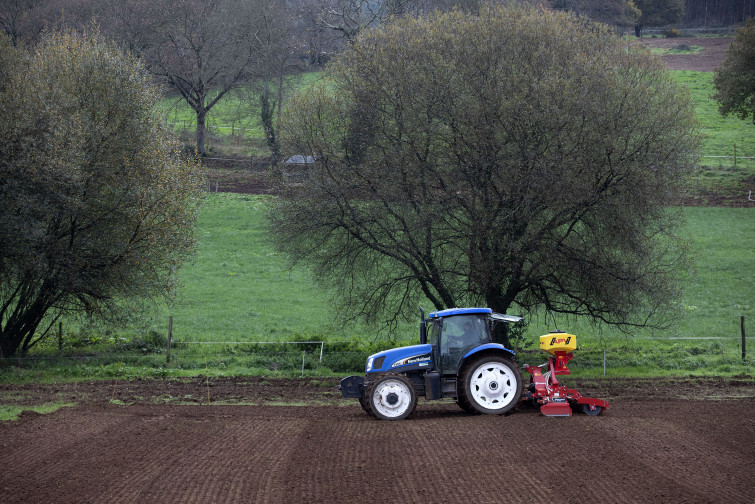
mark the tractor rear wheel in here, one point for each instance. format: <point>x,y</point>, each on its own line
<point>490,384</point>
<point>468,408</point>
<point>391,397</point>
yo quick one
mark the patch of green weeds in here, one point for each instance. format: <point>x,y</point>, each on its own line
<point>11,413</point>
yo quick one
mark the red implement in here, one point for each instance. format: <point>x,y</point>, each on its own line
<point>556,399</point>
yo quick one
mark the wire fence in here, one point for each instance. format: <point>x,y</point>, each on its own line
<point>163,351</point>
<point>324,357</point>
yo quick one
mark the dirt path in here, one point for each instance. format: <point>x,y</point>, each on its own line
<point>649,447</point>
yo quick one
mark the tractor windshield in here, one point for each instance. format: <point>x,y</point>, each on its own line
<point>459,334</point>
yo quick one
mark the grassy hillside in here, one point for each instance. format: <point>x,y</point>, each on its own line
<point>724,137</point>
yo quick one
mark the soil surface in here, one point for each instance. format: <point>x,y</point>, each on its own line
<point>712,54</point>
<point>280,441</point>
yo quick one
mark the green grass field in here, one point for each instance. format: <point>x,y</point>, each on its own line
<point>234,123</point>
<point>723,136</point>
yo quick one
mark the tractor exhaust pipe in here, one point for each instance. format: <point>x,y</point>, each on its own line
<point>422,328</point>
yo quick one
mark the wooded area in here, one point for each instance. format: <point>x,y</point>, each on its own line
<point>718,12</point>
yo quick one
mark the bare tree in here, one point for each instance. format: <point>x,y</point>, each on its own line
<point>519,158</point>
<point>203,49</point>
<point>13,13</point>
<point>315,41</point>
<point>25,20</point>
<point>350,17</point>
<point>276,42</point>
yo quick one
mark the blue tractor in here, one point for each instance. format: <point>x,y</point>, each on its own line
<point>456,358</point>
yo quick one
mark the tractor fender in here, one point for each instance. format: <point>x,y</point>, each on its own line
<point>493,348</point>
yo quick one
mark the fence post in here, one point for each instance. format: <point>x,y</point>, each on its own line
<point>170,337</point>
<point>744,349</point>
<point>735,156</point>
<point>60,337</point>
<point>322,344</point>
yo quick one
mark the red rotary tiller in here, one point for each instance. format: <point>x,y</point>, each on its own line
<point>544,389</point>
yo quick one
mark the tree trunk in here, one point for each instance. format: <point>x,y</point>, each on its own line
<point>279,117</point>
<point>201,116</point>
<point>19,329</point>
<point>501,329</point>
<point>267,111</point>
<point>500,302</point>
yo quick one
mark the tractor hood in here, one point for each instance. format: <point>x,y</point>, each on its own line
<point>401,359</point>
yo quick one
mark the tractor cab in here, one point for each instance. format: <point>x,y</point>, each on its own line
<point>453,333</point>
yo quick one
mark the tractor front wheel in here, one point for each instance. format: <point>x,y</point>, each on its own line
<point>392,397</point>
<point>490,384</point>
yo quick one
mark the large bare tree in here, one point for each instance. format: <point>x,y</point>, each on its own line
<point>203,49</point>
<point>519,159</point>
<point>276,47</point>
<point>350,17</point>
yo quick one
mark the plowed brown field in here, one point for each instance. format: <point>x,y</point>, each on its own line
<point>708,59</point>
<point>285,441</point>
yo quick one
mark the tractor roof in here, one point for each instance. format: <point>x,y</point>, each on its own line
<point>471,311</point>
<point>459,311</point>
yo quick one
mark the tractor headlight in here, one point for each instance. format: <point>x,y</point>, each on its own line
<point>369,364</point>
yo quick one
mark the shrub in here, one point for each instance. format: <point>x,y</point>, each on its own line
<point>150,341</point>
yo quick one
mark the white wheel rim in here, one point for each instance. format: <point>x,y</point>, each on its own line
<point>391,398</point>
<point>493,385</point>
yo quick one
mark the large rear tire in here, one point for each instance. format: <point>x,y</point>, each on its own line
<point>391,397</point>
<point>490,384</point>
<point>468,408</point>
